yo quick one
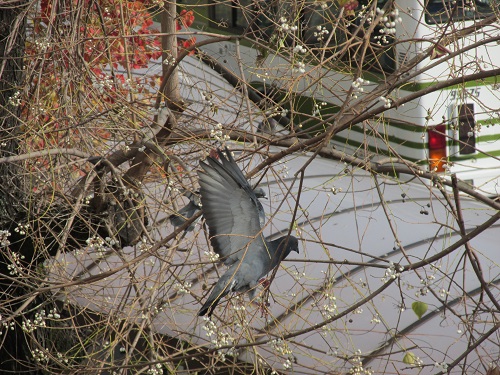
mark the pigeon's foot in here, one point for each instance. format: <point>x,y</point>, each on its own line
<point>264,311</point>
<point>265,282</point>
<point>262,305</point>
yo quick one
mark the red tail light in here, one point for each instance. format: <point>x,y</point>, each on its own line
<point>437,147</point>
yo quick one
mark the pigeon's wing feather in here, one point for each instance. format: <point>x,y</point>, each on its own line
<point>230,165</point>
<point>231,210</point>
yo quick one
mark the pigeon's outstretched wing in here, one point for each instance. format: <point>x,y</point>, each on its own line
<point>231,208</point>
<point>188,211</point>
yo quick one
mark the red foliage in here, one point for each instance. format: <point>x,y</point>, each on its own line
<point>110,33</point>
<point>189,43</point>
<point>187,17</point>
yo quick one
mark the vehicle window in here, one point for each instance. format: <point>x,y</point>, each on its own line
<point>229,15</point>
<point>318,25</point>
<point>441,11</point>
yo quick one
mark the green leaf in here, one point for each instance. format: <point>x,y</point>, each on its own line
<point>419,308</point>
<point>409,358</point>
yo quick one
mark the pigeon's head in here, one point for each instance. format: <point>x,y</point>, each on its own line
<point>293,245</point>
<point>285,245</point>
<point>260,193</point>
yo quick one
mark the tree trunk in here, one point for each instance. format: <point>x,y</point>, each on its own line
<point>12,41</point>
<point>15,354</point>
<point>169,46</point>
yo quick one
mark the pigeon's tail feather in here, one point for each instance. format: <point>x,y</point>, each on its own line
<point>225,285</point>
<point>211,303</point>
<point>208,307</point>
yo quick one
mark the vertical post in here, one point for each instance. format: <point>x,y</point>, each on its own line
<point>171,91</point>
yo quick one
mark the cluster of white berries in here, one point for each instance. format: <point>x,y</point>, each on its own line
<point>21,228</point>
<point>281,347</point>
<point>16,266</point>
<point>375,319</point>
<point>442,365</point>
<point>285,27</point>
<point>39,320</point>
<point>96,244</point>
<point>321,33</point>
<point>209,98</point>
<point>299,49</point>
<point>443,293</point>
<point>169,59</point>
<point>4,238</point>
<point>299,67</point>
<point>357,85</point>
<point>213,257</point>
<point>183,288</point>
<point>15,100</point>
<point>298,275</point>
<point>218,135</point>
<point>238,304</point>
<point>275,111</point>
<point>282,170</point>
<point>388,21</point>
<point>418,361</point>
<point>155,370</point>
<point>209,327</point>
<point>143,246</point>
<point>220,338</point>
<point>6,325</point>
<point>104,83</point>
<point>392,273</point>
<point>357,368</point>
<point>387,101</point>
<point>358,311</point>
<point>424,289</point>
<point>42,44</point>
<point>330,306</point>
<point>171,187</point>
<point>39,355</point>
<point>61,357</point>
<point>317,108</point>
<point>336,190</point>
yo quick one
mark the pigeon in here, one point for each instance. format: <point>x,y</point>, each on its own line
<point>235,219</point>
<point>188,211</point>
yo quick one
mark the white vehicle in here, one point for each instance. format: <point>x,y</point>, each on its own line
<point>446,124</point>
<point>352,239</point>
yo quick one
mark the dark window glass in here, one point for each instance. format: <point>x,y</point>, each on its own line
<point>440,11</point>
<point>319,22</point>
<point>466,125</point>
<point>243,14</point>
<point>221,15</point>
<point>229,14</point>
